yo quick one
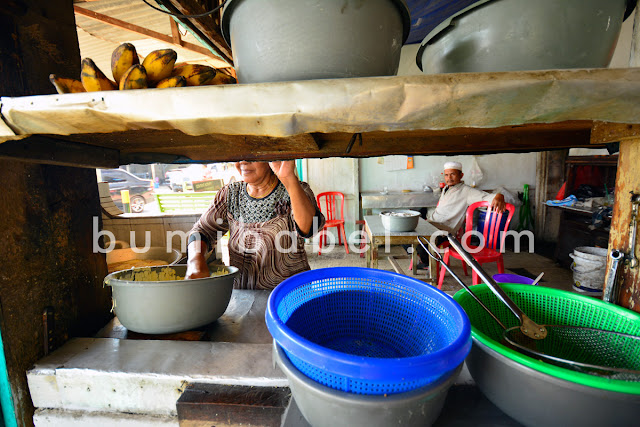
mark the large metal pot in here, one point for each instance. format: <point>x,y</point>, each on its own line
<point>162,307</point>
<point>281,40</point>
<point>509,35</point>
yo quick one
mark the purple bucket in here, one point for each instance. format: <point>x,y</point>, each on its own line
<point>512,278</point>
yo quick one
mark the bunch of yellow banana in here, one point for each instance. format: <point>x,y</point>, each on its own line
<point>123,58</point>
<point>66,85</point>
<point>158,69</point>
<point>175,81</point>
<point>195,74</point>
<point>159,64</point>
<point>93,79</point>
<point>134,78</point>
<point>222,79</point>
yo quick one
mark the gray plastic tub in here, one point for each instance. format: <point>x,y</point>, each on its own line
<point>323,406</point>
<point>534,398</point>
<point>510,35</point>
<point>282,40</point>
<point>163,307</point>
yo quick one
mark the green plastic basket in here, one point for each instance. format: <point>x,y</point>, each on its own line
<point>548,306</point>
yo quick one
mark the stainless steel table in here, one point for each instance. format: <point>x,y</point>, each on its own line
<point>378,235</point>
<point>397,199</point>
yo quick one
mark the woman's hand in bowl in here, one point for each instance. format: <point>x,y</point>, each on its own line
<point>197,268</point>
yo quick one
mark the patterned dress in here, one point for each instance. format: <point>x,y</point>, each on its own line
<point>265,242</point>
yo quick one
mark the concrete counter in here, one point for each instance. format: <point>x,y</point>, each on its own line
<point>111,379</point>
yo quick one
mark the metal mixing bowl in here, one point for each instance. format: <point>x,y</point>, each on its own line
<point>510,35</point>
<point>397,223</point>
<point>162,307</point>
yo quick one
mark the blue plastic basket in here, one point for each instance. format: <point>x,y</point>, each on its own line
<point>367,331</point>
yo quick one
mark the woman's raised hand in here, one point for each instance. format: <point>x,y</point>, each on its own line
<point>284,169</point>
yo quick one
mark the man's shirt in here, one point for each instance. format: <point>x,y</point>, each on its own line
<point>452,206</point>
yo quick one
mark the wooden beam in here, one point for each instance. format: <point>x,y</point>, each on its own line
<point>603,132</point>
<point>218,147</point>
<point>44,150</point>
<point>207,27</point>
<point>175,32</point>
<point>464,141</point>
<point>145,32</point>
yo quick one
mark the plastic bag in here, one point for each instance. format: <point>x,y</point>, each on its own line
<point>509,197</point>
<point>475,174</point>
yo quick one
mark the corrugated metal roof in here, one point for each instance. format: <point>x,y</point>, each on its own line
<point>98,40</point>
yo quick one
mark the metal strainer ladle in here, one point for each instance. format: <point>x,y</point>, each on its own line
<point>527,326</point>
<point>589,350</point>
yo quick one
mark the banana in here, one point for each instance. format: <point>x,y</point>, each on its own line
<point>93,79</point>
<point>134,78</point>
<point>122,59</point>
<point>159,64</point>
<point>222,79</point>
<point>175,81</point>
<point>196,74</point>
<point>66,85</point>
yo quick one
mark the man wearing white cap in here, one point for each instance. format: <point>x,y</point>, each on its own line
<point>456,197</point>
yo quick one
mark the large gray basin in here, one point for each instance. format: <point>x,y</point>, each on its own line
<point>282,40</point>
<point>325,407</point>
<point>511,35</point>
<point>168,306</point>
<point>534,398</point>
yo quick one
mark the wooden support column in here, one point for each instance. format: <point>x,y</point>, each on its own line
<point>627,181</point>
<point>46,212</point>
<point>550,171</point>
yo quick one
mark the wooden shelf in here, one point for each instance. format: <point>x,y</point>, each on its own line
<point>417,115</point>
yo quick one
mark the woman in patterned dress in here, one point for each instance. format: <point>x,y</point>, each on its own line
<point>268,214</point>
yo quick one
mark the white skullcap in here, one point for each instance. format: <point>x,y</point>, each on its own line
<point>453,165</point>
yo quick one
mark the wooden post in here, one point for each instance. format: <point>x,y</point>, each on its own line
<point>550,174</point>
<point>46,211</point>
<point>627,181</point>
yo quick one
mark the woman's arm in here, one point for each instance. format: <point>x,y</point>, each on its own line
<point>303,208</point>
<point>204,234</point>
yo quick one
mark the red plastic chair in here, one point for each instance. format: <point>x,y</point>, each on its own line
<point>331,200</point>
<point>493,238</point>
